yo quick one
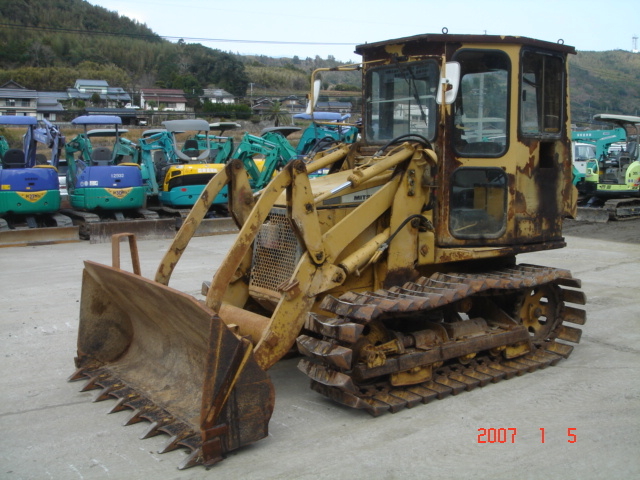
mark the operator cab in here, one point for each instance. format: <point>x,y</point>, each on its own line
<point>494,111</point>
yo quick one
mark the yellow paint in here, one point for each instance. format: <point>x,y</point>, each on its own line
<point>119,193</point>
<point>32,197</point>
<point>394,49</point>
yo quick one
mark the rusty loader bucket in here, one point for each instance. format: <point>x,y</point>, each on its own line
<point>170,358</point>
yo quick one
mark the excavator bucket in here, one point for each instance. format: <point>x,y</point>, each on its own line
<point>173,361</point>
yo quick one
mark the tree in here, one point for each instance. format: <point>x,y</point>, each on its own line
<point>41,55</point>
<point>277,114</point>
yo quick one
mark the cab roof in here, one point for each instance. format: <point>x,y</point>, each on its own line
<point>455,38</point>
<point>620,120</point>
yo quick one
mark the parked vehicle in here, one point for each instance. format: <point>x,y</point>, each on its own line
<point>30,193</point>
<point>395,275</point>
<point>591,148</point>
<point>612,184</point>
<point>105,183</point>
<point>185,171</point>
<point>326,129</point>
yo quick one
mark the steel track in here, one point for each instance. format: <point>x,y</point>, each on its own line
<point>335,371</point>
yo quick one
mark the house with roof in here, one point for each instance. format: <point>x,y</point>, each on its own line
<point>18,100</point>
<point>293,104</point>
<point>49,106</point>
<point>339,107</point>
<point>217,95</point>
<point>290,104</point>
<point>262,105</point>
<point>166,99</point>
<point>111,97</point>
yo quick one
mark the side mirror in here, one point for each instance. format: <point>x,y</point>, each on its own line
<point>449,83</point>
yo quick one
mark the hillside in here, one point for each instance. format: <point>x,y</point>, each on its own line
<point>48,45</point>
<point>604,82</point>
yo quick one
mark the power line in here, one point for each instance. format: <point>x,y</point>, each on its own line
<point>167,37</point>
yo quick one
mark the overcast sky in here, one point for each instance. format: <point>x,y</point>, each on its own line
<point>335,27</point>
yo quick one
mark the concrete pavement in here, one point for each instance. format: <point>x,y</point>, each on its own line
<point>49,429</point>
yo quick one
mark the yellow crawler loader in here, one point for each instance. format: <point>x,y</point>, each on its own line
<point>393,275</point>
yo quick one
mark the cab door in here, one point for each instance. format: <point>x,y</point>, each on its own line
<point>503,174</point>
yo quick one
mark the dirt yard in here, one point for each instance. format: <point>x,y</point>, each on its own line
<point>625,231</point>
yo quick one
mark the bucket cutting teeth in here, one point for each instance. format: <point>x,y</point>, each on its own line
<point>178,433</point>
<point>94,383</point>
<point>124,397</point>
<point>153,430</point>
<point>138,414</point>
<point>106,392</point>
<point>194,459</point>
<point>78,375</point>
<point>181,435</point>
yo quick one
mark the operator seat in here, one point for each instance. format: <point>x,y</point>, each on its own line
<point>191,148</point>
<point>162,165</point>
<point>101,156</point>
<point>14,158</point>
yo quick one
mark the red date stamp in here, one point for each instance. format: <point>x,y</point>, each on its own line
<point>508,435</point>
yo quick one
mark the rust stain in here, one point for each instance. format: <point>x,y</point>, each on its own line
<point>400,276</point>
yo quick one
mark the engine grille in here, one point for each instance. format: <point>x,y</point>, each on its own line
<point>276,252</point>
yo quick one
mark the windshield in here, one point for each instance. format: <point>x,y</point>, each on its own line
<point>584,152</point>
<point>401,99</point>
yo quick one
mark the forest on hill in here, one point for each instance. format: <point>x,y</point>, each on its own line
<point>604,82</point>
<point>46,46</point>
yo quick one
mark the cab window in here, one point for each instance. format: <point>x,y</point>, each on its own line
<point>478,203</point>
<point>541,94</point>
<point>402,99</point>
<point>480,110</point>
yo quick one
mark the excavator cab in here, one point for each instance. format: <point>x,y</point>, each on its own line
<point>187,168</point>
<point>394,275</point>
